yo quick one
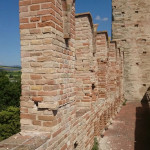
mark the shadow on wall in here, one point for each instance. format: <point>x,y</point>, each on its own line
<point>142,130</point>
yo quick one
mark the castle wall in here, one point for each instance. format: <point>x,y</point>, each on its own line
<point>48,61</point>
<point>130,28</point>
<point>71,78</point>
<point>85,73</point>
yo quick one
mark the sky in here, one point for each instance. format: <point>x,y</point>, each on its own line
<point>9,25</point>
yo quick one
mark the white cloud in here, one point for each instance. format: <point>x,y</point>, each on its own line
<point>105,19</point>
<point>98,18</point>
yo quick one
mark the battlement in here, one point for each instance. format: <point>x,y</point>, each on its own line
<point>71,77</point>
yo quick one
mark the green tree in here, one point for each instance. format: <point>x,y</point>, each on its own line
<point>9,105</point>
<point>9,91</point>
<point>9,122</point>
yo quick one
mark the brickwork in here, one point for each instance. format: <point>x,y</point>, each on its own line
<point>47,63</point>
<point>130,28</point>
<point>71,78</point>
<point>85,73</point>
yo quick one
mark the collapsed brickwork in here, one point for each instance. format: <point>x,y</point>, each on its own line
<point>71,78</point>
<point>130,28</point>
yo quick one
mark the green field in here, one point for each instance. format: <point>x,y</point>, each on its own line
<point>12,72</point>
<point>9,68</point>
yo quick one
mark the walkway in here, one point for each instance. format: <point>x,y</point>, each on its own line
<point>130,130</point>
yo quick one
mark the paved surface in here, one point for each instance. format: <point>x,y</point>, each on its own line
<point>130,130</point>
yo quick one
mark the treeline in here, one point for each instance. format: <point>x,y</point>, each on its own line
<point>10,91</point>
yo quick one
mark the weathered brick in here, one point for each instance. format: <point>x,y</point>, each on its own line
<point>34,7</point>
<point>36,77</point>
<point>27,116</point>
<point>36,42</point>
<point>50,123</point>
<point>24,20</point>
<point>28,26</point>
<point>57,132</point>
<point>25,2</point>
<point>42,1</point>
<point>67,83</point>
<point>36,87</point>
<point>46,118</point>
<point>34,19</point>
<point>64,147</point>
<point>44,24</point>
<point>23,9</point>
<point>35,31</point>
<point>35,122</point>
<point>37,99</point>
<point>45,105</point>
<point>47,93</point>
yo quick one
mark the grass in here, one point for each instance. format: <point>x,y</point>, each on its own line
<point>96,145</point>
<point>124,103</point>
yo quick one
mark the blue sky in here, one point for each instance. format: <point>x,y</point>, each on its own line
<point>100,10</point>
<point>9,25</point>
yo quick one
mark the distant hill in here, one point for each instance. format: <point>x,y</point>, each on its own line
<point>10,68</point>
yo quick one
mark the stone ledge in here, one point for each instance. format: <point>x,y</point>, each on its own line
<point>25,141</point>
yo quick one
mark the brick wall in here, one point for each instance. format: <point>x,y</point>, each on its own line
<point>85,73</point>
<point>130,28</point>
<point>48,60</point>
<point>71,78</point>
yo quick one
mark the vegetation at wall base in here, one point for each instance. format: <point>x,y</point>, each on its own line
<point>96,145</point>
<point>9,122</point>
<point>10,90</point>
<point>124,103</point>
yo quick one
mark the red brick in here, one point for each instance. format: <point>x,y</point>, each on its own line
<point>86,44</point>
<point>43,12</point>
<point>25,2</point>
<point>44,24</point>
<point>35,122</point>
<point>28,26</point>
<point>46,6</point>
<point>27,116</point>
<point>46,118</point>
<point>46,18</point>
<point>24,20</point>
<point>37,99</point>
<point>36,77</point>
<point>51,82</point>
<point>34,7</point>
<point>34,19</point>
<point>42,1</point>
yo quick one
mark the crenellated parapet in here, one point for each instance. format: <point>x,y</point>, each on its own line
<point>85,71</point>
<point>71,78</point>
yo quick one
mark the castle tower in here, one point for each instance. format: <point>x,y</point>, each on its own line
<point>131,30</point>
